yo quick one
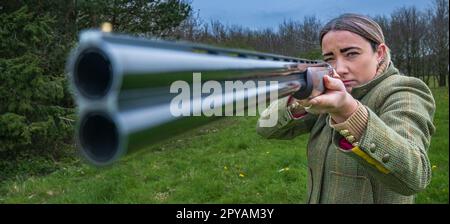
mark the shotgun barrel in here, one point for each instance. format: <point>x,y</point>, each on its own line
<point>125,88</point>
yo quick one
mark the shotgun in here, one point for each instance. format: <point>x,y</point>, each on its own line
<point>132,92</point>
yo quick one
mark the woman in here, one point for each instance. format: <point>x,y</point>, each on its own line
<point>370,130</point>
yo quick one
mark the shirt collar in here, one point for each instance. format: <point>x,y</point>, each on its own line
<point>360,91</point>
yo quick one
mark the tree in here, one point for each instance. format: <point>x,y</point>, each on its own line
<point>406,40</point>
<point>141,17</point>
<point>29,96</point>
<point>438,36</point>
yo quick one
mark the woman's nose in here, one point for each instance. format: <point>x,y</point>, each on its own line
<point>341,67</point>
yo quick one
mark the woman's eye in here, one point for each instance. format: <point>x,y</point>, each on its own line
<point>328,59</point>
<point>352,54</point>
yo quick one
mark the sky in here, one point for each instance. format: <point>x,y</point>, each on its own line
<point>259,14</point>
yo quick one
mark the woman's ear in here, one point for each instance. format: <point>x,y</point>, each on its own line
<point>381,52</point>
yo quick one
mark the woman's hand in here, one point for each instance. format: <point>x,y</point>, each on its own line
<point>336,101</point>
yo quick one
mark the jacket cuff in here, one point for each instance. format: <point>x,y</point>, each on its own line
<point>356,124</point>
<point>357,152</point>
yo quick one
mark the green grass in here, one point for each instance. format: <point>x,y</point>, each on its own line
<point>437,191</point>
<point>225,162</point>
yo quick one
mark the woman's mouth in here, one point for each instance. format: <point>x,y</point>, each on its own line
<point>349,82</point>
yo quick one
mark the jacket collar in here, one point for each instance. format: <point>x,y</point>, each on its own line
<point>360,91</point>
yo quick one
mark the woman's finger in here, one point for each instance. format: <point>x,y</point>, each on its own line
<point>325,100</point>
<point>333,83</point>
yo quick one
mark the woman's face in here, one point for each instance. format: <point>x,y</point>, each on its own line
<point>351,56</point>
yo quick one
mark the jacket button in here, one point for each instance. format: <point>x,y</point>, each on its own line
<point>385,158</point>
<point>350,138</point>
<point>344,132</point>
<point>372,147</point>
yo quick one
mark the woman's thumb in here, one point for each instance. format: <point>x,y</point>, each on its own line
<point>333,83</point>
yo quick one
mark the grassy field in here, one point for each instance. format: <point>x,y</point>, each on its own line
<point>226,162</point>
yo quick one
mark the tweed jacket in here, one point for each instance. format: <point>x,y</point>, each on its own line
<point>390,164</point>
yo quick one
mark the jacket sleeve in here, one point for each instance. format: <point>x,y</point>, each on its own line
<point>394,145</point>
<point>286,126</point>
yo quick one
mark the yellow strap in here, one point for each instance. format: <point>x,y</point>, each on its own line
<point>370,160</point>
